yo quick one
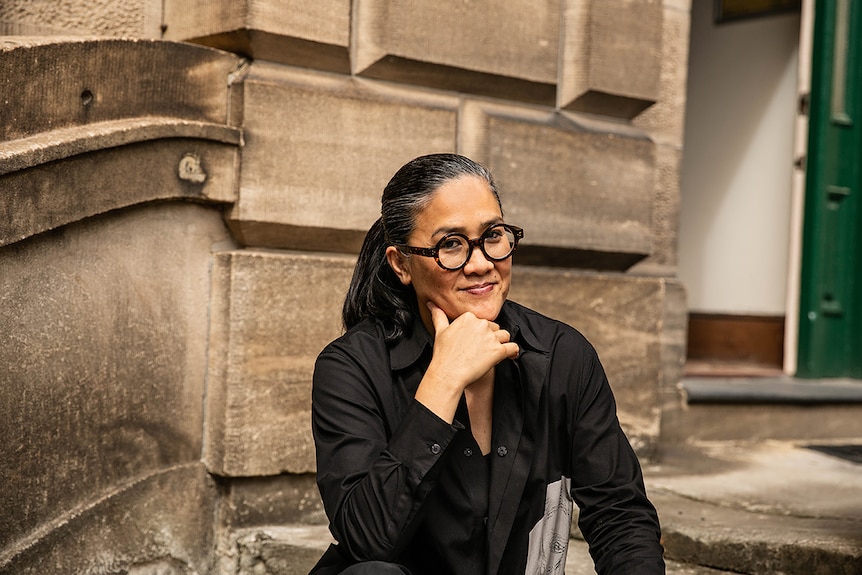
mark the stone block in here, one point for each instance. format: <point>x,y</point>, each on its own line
<point>734,422</point>
<point>80,139</point>
<point>674,337</point>
<point>280,549</point>
<point>273,500</point>
<point>46,196</point>
<point>161,523</point>
<point>582,190</point>
<point>501,49</point>
<point>611,59</point>
<point>665,120</point>
<point>320,148</point>
<point>64,84</point>
<point>272,314</point>
<point>665,213</point>
<point>117,18</point>
<point>103,348</point>
<point>313,34</point>
<point>622,316</point>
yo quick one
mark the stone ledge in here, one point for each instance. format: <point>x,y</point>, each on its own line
<point>744,542</point>
<point>54,194</point>
<point>64,82</point>
<point>65,142</point>
<point>294,550</point>
<point>278,550</point>
<point>160,518</point>
<point>770,390</point>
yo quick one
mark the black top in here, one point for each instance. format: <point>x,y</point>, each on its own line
<point>454,519</point>
<point>398,486</point>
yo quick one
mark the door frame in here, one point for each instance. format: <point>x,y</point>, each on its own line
<point>825,316</point>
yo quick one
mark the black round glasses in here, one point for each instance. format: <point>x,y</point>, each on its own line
<point>453,251</point>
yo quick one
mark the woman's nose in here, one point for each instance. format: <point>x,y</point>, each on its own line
<point>477,263</point>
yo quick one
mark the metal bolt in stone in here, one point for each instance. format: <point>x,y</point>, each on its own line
<point>190,169</point>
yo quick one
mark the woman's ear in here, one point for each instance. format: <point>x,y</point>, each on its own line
<point>398,263</point>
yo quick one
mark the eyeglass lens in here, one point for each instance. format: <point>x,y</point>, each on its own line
<point>497,243</point>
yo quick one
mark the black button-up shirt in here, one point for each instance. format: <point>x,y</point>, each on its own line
<point>399,484</point>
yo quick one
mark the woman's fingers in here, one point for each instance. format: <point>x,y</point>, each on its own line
<point>438,317</point>
<point>512,350</point>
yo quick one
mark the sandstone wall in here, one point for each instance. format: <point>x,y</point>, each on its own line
<point>117,158</point>
<point>178,225</point>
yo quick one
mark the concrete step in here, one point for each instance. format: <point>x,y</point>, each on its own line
<point>294,549</point>
<point>760,408</point>
<point>276,550</point>
<point>757,508</point>
<point>697,533</point>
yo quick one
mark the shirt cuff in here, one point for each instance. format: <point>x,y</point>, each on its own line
<point>421,439</point>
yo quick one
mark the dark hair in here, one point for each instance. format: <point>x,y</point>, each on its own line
<point>375,291</point>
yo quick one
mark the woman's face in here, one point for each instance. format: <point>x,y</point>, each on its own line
<point>465,205</point>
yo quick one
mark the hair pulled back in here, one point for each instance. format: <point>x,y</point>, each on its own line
<point>375,291</point>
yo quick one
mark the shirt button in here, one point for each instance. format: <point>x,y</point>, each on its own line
<point>468,452</point>
<point>435,448</point>
<point>502,451</point>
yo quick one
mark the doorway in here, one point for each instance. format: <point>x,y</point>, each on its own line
<point>830,300</point>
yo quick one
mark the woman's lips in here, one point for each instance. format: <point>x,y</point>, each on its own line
<point>479,289</point>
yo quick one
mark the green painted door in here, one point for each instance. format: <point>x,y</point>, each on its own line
<point>830,330</point>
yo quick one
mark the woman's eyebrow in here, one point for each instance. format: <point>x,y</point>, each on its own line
<point>442,231</point>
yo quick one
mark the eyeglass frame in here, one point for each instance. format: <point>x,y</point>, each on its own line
<point>479,242</point>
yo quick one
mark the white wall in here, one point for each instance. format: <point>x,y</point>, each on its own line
<point>738,163</point>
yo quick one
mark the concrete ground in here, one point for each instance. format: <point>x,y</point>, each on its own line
<point>771,507</point>
<point>764,507</point>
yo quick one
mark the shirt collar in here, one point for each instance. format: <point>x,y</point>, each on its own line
<point>512,319</point>
<point>410,347</point>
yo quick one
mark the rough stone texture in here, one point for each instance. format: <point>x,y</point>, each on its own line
<point>272,314</point>
<point>674,339</point>
<point>103,353</point>
<point>725,504</point>
<point>279,550</point>
<point>260,384</point>
<point>664,122</point>
<point>761,545</point>
<point>734,422</point>
<point>104,80</point>
<point>595,190</point>
<point>320,148</point>
<point>503,49</point>
<point>45,197</point>
<point>295,549</point>
<point>157,524</point>
<point>102,145</point>
<point>274,500</point>
<point>624,319</point>
<point>758,507</point>
<point>108,326</point>
<point>314,34</point>
<point>127,18</point>
<point>665,214</point>
<point>611,56</point>
<point>81,139</point>
<point>27,152</point>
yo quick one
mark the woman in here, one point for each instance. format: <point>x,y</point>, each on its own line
<point>453,428</point>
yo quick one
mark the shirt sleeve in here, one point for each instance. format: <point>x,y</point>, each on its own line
<point>616,517</point>
<point>373,474</point>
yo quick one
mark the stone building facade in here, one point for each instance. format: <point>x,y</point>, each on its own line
<point>184,185</point>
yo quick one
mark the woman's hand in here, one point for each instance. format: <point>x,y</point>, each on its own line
<point>464,351</point>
